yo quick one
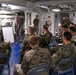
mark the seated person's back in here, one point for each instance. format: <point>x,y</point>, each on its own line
<point>35,57</point>
<point>46,38</point>
<point>25,45</point>
<point>66,51</point>
<point>73,30</point>
<point>5,48</point>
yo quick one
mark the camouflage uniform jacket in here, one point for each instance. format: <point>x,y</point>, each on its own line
<point>66,22</point>
<point>36,23</point>
<point>63,52</point>
<point>73,40</point>
<point>34,58</point>
<point>25,46</point>
<point>45,39</point>
<point>16,26</point>
<point>5,48</point>
<point>48,23</point>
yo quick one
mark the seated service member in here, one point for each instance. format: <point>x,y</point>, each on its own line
<point>64,29</point>
<point>4,48</point>
<point>71,24</point>
<point>46,37</point>
<point>73,30</point>
<point>25,45</point>
<point>35,57</point>
<point>66,51</point>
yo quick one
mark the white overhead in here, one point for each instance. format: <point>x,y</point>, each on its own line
<point>49,2</point>
<point>41,5</point>
<point>56,10</point>
<point>23,3</point>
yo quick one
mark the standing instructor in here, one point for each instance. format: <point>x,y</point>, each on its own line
<point>16,28</point>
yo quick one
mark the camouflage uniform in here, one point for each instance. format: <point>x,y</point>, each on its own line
<point>45,39</point>
<point>16,28</point>
<point>53,50</point>
<point>73,40</point>
<point>48,23</point>
<point>5,48</point>
<point>63,52</point>
<point>60,33</point>
<point>36,25</point>
<point>33,58</point>
<point>25,46</point>
<point>66,22</point>
<point>58,38</point>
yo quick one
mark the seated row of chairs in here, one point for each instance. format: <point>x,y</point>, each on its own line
<point>4,56</point>
<point>40,70</point>
<point>46,69</point>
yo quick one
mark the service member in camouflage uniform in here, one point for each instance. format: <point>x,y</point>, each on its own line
<point>48,23</point>
<point>16,28</point>
<point>66,51</point>
<point>73,30</point>
<point>4,48</point>
<point>33,58</point>
<point>25,45</point>
<point>46,38</point>
<point>64,28</point>
<point>66,21</point>
<point>36,24</point>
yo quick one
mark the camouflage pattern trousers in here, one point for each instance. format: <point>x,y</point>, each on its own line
<point>18,70</point>
<point>36,30</point>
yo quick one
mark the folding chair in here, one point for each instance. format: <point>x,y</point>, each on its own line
<point>39,70</point>
<point>4,56</point>
<point>69,71</point>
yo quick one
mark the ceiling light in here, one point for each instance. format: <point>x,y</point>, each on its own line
<point>6,16</point>
<point>5,12</point>
<point>4,5</point>
<point>15,7</point>
<point>56,10</point>
<point>12,6</point>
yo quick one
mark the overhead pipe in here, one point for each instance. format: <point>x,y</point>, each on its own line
<point>57,2</point>
<point>20,3</point>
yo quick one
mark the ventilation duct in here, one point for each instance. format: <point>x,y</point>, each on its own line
<point>20,3</point>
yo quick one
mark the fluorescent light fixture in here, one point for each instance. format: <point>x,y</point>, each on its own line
<point>6,16</point>
<point>15,7</point>
<point>4,5</point>
<point>56,10</point>
<point>5,12</point>
<point>12,6</point>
